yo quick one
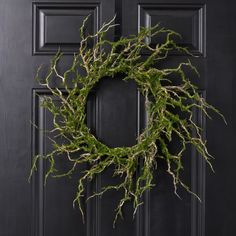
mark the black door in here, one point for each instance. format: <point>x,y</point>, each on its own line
<point>30,33</point>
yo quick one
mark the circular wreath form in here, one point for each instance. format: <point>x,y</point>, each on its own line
<point>163,98</point>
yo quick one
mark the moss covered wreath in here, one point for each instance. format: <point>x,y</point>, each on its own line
<point>107,59</point>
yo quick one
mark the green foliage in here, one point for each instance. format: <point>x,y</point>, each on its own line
<point>162,97</point>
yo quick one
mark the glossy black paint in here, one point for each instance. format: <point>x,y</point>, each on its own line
<point>116,114</point>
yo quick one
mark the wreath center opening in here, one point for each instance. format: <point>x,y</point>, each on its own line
<point>112,112</point>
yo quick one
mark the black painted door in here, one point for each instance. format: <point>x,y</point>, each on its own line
<point>30,33</point>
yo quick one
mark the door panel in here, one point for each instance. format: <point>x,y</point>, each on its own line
<point>57,25</point>
<point>52,208</point>
<point>31,32</point>
<point>186,214</point>
<point>187,19</point>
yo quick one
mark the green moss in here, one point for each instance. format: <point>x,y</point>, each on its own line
<point>161,96</point>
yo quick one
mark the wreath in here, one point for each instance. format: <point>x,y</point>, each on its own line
<point>162,96</point>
